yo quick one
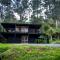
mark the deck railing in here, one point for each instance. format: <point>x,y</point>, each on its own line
<point>33,31</point>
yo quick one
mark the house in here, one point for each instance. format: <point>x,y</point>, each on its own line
<point>20,33</point>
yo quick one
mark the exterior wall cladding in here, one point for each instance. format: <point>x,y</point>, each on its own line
<point>20,33</point>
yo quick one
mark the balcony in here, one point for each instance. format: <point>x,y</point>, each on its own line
<point>23,30</point>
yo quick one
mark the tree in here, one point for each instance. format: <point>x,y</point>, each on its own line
<point>37,8</point>
<point>18,6</point>
<point>5,2</point>
<point>6,10</point>
<point>21,8</point>
<point>49,28</point>
<point>35,20</point>
<point>53,10</point>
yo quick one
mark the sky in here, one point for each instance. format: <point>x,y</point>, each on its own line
<point>16,15</point>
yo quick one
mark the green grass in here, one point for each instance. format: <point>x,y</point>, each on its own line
<point>26,52</point>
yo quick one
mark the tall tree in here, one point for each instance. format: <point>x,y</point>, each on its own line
<point>52,10</point>
<point>6,9</point>
<point>18,6</point>
<point>21,6</point>
<point>37,7</point>
<point>49,28</point>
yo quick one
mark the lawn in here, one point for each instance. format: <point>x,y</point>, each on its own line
<point>26,52</point>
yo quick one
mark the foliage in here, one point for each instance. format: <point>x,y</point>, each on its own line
<point>49,27</point>
<point>39,41</point>
<point>9,7</point>
<point>52,9</point>
<point>5,2</point>
<point>21,52</point>
<point>35,20</point>
<point>55,41</point>
<point>35,6</point>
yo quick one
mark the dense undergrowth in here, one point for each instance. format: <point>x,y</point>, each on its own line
<point>26,52</point>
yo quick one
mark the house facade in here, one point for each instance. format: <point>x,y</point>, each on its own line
<point>20,33</point>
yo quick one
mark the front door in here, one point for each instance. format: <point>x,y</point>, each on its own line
<point>24,39</point>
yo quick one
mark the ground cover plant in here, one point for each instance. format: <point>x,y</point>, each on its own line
<point>26,52</point>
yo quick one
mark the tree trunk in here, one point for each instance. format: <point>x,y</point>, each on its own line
<point>51,38</point>
<point>56,24</point>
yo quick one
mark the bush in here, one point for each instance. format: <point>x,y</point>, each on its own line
<point>39,41</point>
<point>56,42</point>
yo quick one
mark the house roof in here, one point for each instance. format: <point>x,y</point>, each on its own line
<point>12,25</point>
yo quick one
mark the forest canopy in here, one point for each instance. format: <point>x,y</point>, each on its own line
<point>29,10</point>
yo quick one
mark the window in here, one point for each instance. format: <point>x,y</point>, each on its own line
<point>24,29</point>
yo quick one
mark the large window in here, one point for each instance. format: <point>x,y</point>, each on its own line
<point>24,29</point>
